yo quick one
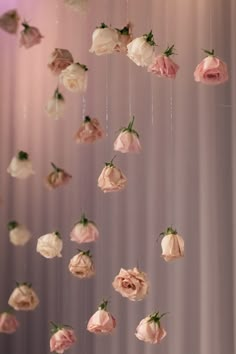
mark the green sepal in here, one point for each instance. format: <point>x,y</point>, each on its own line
<point>22,155</point>
<point>57,234</point>
<point>58,95</point>
<point>208,52</point>
<point>29,285</point>
<point>149,38</point>
<point>57,169</point>
<point>169,231</point>
<point>103,305</point>
<point>111,162</point>
<point>130,128</point>
<point>169,51</point>
<point>82,66</point>
<point>87,119</point>
<point>156,317</point>
<point>124,30</point>
<point>102,25</point>
<point>12,225</point>
<point>86,253</point>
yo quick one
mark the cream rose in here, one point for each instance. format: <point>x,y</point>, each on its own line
<point>150,330</point>
<point>23,298</point>
<point>9,21</point>
<point>20,166</point>
<point>77,5</point>
<point>84,231</point>
<point>105,40</point>
<point>102,322</point>
<point>111,178</point>
<point>59,60</point>
<point>172,245</point>
<point>19,235</point>
<point>56,105</point>
<point>128,140</point>
<point>57,178</point>
<point>30,36</point>
<point>89,131</point>
<point>50,245</point>
<point>75,77</point>
<point>141,50</point>
<point>8,323</point>
<point>81,265</point>
<point>62,339</point>
<point>132,284</point>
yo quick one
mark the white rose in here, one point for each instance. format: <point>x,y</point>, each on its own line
<point>50,245</point>
<point>141,50</point>
<point>104,40</point>
<point>20,166</point>
<point>172,245</point>
<point>56,105</point>
<point>81,265</point>
<point>77,5</point>
<point>19,235</point>
<point>75,77</point>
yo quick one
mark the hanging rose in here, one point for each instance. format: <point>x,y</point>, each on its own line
<point>89,131</point>
<point>9,21</point>
<point>56,105</point>
<point>75,77</point>
<point>8,323</point>
<point>50,245</point>
<point>19,235</point>
<point>63,337</point>
<point>104,40</point>
<point>111,178</point>
<point>163,65</point>
<point>172,245</point>
<point>84,231</point>
<point>57,178</point>
<point>211,70</point>
<point>132,284</point>
<point>23,298</point>
<point>150,330</point>
<point>81,265</point>
<point>125,37</point>
<point>128,140</point>
<point>102,322</point>
<point>60,59</point>
<point>77,5</point>
<point>30,36</point>
<point>20,166</point>
<point>141,50</point>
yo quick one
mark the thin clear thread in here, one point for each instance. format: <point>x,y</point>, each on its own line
<point>172,151</point>
<point>83,106</point>
<point>107,99</point>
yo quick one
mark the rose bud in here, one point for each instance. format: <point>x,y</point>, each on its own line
<point>56,105</point>
<point>81,265</point>
<point>128,140</point>
<point>84,231</point>
<point>105,40</point>
<point>23,298</point>
<point>102,322</point>
<point>172,245</point>
<point>75,77</point>
<point>163,65</point>
<point>57,178</point>
<point>77,5</point>
<point>125,37</point>
<point>19,235</point>
<point>150,330</point>
<point>111,178</point>
<point>8,323</point>
<point>89,131</point>
<point>63,337</point>
<point>132,284</point>
<point>211,70</point>
<point>50,245</point>
<point>59,60</point>
<point>141,50</point>
<point>30,36</point>
<point>9,21</point>
<point>20,166</point>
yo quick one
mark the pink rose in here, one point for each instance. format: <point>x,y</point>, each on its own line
<point>125,37</point>
<point>128,140</point>
<point>9,21</point>
<point>60,59</point>
<point>150,330</point>
<point>81,265</point>
<point>62,339</point>
<point>89,131</point>
<point>8,323</point>
<point>30,36</point>
<point>163,66</point>
<point>132,284</point>
<point>111,178</point>
<point>211,70</point>
<point>102,322</point>
<point>57,178</point>
<point>84,231</point>
<point>172,245</point>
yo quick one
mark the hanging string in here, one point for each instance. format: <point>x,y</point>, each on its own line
<point>106,98</point>
<point>172,151</point>
<point>83,106</point>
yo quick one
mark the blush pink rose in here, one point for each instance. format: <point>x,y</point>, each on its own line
<point>102,322</point>
<point>59,60</point>
<point>57,178</point>
<point>81,265</point>
<point>62,339</point>
<point>150,330</point>
<point>172,245</point>
<point>111,178</point>
<point>84,231</point>
<point>8,323</point>
<point>23,298</point>
<point>9,21</point>
<point>211,70</point>
<point>132,284</point>
<point>163,66</point>
<point>89,131</point>
<point>30,36</point>
<point>125,37</point>
<point>128,140</point>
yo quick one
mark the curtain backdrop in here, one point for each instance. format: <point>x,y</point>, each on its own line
<point>185,177</point>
